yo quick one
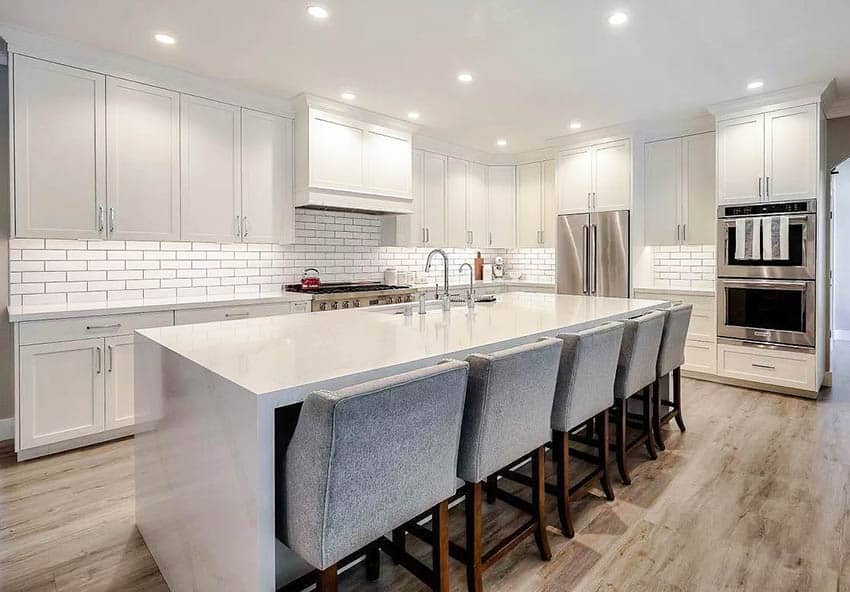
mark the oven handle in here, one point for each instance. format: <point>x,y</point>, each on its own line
<point>730,221</point>
<point>770,284</point>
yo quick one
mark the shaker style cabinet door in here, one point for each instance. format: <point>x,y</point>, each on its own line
<point>662,189</point>
<point>612,176</point>
<point>267,209</point>
<point>501,214</point>
<point>336,153</point>
<point>550,205</point>
<point>791,153</point>
<point>575,180</point>
<point>142,161</point>
<point>387,163</point>
<point>477,198</point>
<point>529,203</point>
<point>456,229</point>
<point>740,160</point>
<point>210,170</point>
<point>59,150</point>
<point>434,167</point>
<point>118,370</point>
<point>61,391</point>
<point>699,208</point>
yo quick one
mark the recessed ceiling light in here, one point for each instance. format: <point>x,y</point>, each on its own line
<point>755,85</point>
<point>575,124</point>
<point>465,77</point>
<point>501,142</point>
<point>413,115</point>
<point>348,96</point>
<point>618,18</point>
<point>318,12</point>
<point>165,38</point>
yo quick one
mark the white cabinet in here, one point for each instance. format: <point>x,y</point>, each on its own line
<point>210,167</point>
<point>230,313</point>
<point>457,233</point>
<point>477,203</point>
<point>59,150</point>
<point>501,210</point>
<point>345,163</point>
<point>770,156</point>
<point>536,210</point>
<point>61,391</point>
<point>790,368</point>
<point>143,161</point>
<point>118,374</point>
<point>679,191</point>
<point>595,178</point>
<point>434,169</point>
<point>267,210</point>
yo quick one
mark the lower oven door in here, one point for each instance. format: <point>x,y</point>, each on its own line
<point>767,311</point>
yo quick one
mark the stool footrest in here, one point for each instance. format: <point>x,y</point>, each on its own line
<point>409,562</point>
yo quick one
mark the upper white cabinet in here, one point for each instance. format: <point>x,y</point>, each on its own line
<point>679,190</point>
<point>770,156</point>
<point>267,214</point>
<point>143,161</point>
<point>59,150</point>
<point>536,204</point>
<point>501,211</point>
<point>210,167</point>
<point>595,178</point>
<point>457,233</point>
<point>345,163</point>
<point>477,203</point>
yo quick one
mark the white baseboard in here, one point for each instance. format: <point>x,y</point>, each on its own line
<point>7,429</point>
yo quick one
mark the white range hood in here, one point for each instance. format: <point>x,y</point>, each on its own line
<point>344,162</point>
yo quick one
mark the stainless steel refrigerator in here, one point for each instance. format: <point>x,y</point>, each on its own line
<point>593,254</point>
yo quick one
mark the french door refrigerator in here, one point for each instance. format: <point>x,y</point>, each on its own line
<point>593,254</point>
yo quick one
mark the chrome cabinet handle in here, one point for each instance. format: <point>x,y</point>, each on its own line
<point>237,227</point>
<point>595,204</point>
<point>100,218</point>
<point>765,366</point>
<point>244,226</point>
<point>101,327</point>
<point>233,315</point>
<point>427,235</point>
<point>423,234</point>
<point>767,186</point>
<point>677,231</point>
<point>684,232</point>
<point>109,358</point>
<point>97,354</point>
<point>588,200</point>
<point>759,186</point>
<point>490,237</point>
<point>111,220</point>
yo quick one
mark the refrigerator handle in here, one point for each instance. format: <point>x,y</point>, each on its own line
<point>585,284</point>
<point>593,290</point>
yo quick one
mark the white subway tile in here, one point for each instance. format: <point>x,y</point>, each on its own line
<point>143,246</point>
<point>65,265</point>
<point>125,255</point>
<point>206,247</point>
<point>159,255</point>
<point>160,293</point>
<point>106,286</point>
<point>83,297</point>
<point>142,284</point>
<point>175,246</point>
<point>160,274</point>
<point>43,276</point>
<point>107,245</point>
<point>26,243</point>
<point>86,255</point>
<point>66,245</point>
<point>54,287</point>
<point>191,292</point>
<point>86,276</point>
<point>146,265</point>
<point>26,265</point>
<point>26,288</point>
<point>31,299</point>
<point>43,255</point>
<point>181,283</point>
<point>125,295</point>
<point>111,265</point>
<point>119,274</point>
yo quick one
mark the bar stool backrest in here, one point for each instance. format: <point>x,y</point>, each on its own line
<point>508,406</point>
<point>585,385</point>
<point>366,459</point>
<point>639,353</point>
<point>672,352</point>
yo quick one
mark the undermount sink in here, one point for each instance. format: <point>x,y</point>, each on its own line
<point>430,306</point>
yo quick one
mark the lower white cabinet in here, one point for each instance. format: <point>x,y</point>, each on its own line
<point>781,367</point>
<point>230,313</point>
<point>118,373</point>
<point>700,356</point>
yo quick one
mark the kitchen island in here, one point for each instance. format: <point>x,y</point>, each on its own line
<point>217,400</point>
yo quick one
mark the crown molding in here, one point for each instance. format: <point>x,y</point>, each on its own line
<point>423,141</point>
<point>69,53</point>
<point>807,93</point>
<point>307,100</point>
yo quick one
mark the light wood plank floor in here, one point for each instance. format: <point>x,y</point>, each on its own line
<point>754,496</point>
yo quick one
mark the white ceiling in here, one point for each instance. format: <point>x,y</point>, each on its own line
<point>537,63</point>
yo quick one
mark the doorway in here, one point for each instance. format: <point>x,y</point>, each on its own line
<point>840,243</point>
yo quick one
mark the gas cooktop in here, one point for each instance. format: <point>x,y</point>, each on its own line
<point>343,287</point>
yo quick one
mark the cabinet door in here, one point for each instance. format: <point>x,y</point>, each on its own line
<point>575,181</point>
<point>60,150</point>
<point>118,372</point>
<point>143,161</point>
<point>408,230</point>
<point>387,163</point>
<point>210,170</point>
<point>740,159</point>
<point>456,229</point>
<point>267,210</point>
<point>477,198</point>
<point>336,153</point>
<point>612,176</point>
<point>61,391</point>
<point>529,203</point>
<point>501,212</point>
<point>699,209</point>
<point>434,167</point>
<point>662,190</point>
<point>550,204</point>
<point>791,153</point>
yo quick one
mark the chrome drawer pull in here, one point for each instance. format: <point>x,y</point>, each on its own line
<point>109,358</point>
<point>102,327</point>
<point>97,355</point>
<point>230,315</point>
<point>765,366</point>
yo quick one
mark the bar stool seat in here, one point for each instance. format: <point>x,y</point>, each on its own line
<point>366,459</point>
<point>671,357</point>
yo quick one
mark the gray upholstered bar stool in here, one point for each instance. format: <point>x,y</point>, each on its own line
<point>584,392</point>
<point>507,417</point>
<point>671,356</point>
<point>635,377</point>
<point>369,458</point>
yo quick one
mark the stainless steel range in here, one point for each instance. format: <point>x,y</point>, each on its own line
<point>342,295</point>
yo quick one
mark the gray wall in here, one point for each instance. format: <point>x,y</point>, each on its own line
<point>838,141</point>
<point>838,155</point>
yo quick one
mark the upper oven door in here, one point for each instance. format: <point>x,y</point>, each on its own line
<point>767,310</point>
<point>800,265</point>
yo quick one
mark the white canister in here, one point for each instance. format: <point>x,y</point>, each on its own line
<point>391,276</point>
<point>488,272</point>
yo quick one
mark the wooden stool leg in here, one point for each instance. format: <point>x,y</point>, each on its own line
<point>440,546</point>
<point>656,414</point>
<point>373,563</point>
<point>473,538</point>
<point>602,430</point>
<point>647,422</point>
<point>538,496</point>
<point>677,397</point>
<point>326,579</point>
<point>620,412</point>
<point>492,485</point>
<point>561,443</point>
<point>399,540</point>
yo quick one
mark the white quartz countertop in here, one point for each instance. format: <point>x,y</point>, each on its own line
<point>109,307</point>
<point>661,291</point>
<point>456,285</point>
<point>291,355</point>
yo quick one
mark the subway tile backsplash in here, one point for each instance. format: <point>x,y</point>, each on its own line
<point>684,266</point>
<point>343,246</point>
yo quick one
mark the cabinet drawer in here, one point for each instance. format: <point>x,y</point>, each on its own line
<point>55,330</point>
<point>300,306</point>
<point>229,313</point>
<point>771,366</point>
<point>700,356</point>
<point>703,324</point>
